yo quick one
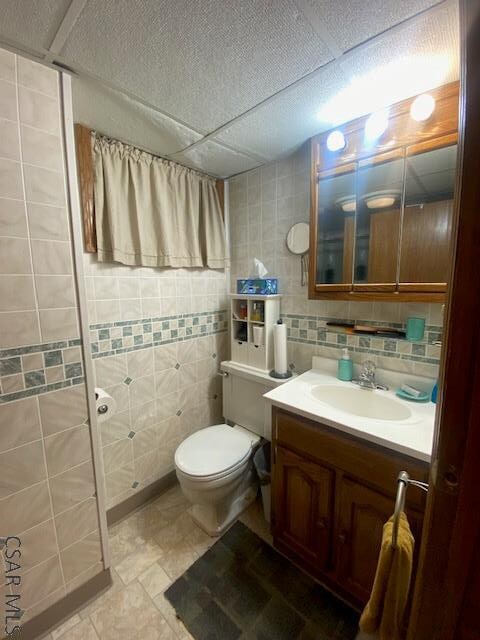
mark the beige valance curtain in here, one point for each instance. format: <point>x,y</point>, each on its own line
<point>153,212</point>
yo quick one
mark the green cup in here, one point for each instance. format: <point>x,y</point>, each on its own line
<point>415,329</point>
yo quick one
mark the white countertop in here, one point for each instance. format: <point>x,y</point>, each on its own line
<point>413,437</point>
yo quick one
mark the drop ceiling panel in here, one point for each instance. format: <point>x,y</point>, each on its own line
<point>216,160</point>
<point>351,22</point>
<point>204,62</point>
<point>31,23</point>
<point>118,116</point>
<point>287,121</point>
<point>428,38</point>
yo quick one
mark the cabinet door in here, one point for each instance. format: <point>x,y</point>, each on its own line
<point>256,356</point>
<point>427,219</point>
<point>377,222</point>
<point>240,351</point>
<point>334,227</point>
<point>302,507</point>
<point>362,514</point>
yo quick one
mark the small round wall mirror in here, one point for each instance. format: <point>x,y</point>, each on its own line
<point>298,239</point>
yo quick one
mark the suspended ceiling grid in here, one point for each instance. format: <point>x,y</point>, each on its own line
<point>221,85</point>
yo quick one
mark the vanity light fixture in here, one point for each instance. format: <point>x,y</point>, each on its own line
<point>422,107</point>
<point>376,125</point>
<point>336,141</point>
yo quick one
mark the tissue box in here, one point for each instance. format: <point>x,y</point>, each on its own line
<point>258,286</point>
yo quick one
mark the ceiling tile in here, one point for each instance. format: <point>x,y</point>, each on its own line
<point>285,122</point>
<point>291,118</point>
<point>216,160</point>
<point>204,62</point>
<point>31,23</point>
<point>350,22</point>
<point>118,116</point>
<point>425,52</point>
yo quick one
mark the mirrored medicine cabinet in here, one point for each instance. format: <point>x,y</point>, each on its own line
<point>382,213</point>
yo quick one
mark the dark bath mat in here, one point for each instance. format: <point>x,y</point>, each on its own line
<point>242,588</point>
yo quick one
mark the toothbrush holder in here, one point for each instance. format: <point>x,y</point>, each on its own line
<point>415,329</point>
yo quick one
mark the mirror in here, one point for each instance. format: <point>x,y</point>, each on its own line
<point>377,229</point>
<point>298,238</point>
<point>298,241</point>
<point>335,225</point>
<point>428,214</point>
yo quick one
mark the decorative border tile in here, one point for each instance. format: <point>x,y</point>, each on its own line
<point>313,330</point>
<point>36,369</point>
<point>113,338</point>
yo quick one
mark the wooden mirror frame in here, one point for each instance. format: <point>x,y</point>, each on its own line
<point>405,134</point>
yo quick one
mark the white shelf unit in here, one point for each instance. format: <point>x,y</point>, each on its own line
<point>252,319</point>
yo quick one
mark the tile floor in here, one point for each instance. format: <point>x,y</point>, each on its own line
<point>150,549</point>
<point>242,589</point>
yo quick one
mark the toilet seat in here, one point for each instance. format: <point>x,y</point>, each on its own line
<point>214,452</point>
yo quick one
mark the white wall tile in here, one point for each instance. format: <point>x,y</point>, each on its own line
<point>47,222</point>
<point>44,186</point>
<point>10,178</point>
<point>9,142</point>
<point>37,77</point>
<point>8,100</point>
<point>58,324</point>
<point>17,293</point>
<point>7,65</point>
<point>39,110</point>
<point>51,257</point>
<point>18,328</point>
<point>41,148</point>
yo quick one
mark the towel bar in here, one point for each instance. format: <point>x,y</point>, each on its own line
<point>402,483</point>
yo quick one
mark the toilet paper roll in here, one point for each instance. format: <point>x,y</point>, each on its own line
<point>280,348</point>
<point>106,405</point>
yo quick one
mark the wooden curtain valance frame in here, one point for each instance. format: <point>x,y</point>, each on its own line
<point>86,183</point>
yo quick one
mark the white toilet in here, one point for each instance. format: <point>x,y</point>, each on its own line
<point>214,466</point>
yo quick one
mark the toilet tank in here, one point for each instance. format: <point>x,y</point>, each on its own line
<point>243,401</point>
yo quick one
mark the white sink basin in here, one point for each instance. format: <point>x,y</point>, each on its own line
<point>366,403</point>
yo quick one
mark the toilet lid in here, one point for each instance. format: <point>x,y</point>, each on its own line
<point>213,450</point>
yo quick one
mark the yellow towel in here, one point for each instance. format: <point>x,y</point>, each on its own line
<point>386,608</point>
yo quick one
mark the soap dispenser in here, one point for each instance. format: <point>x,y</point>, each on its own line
<point>345,366</point>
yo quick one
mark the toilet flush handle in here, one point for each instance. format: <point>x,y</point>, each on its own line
<point>224,374</point>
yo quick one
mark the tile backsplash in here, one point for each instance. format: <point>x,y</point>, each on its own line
<point>264,204</point>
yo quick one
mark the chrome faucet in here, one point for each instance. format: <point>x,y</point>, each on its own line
<point>366,379</point>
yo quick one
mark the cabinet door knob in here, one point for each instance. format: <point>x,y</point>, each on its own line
<point>322,523</point>
<point>342,538</point>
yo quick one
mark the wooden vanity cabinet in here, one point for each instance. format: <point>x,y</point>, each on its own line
<point>304,507</point>
<point>331,496</point>
<point>362,512</point>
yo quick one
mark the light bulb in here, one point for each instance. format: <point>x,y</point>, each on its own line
<point>376,124</point>
<point>336,141</point>
<point>422,107</point>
